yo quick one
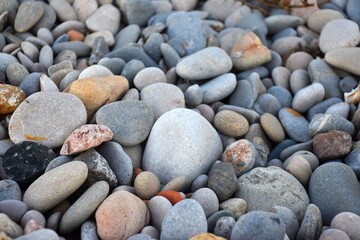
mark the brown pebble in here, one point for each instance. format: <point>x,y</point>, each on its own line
<point>10,98</point>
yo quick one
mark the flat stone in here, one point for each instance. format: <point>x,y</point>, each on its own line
<point>53,109</point>
<point>279,22</point>
<point>236,205</point>
<point>207,199</point>
<point>28,14</point>
<point>14,209</point>
<point>40,234</point>
<point>353,10</point>
<point>332,144</point>
<point>244,95</point>
<point>64,10</point>
<point>95,71</point>
<point>85,9</point>
<point>55,186</point>
<point>129,52</point>
<point>5,59</point>
<point>47,20</point>
<point>107,17</point>
<point>78,47</point>
<point>289,219</point>
<point>158,207</point>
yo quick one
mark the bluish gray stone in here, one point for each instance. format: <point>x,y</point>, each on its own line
<point>254,21</point>
<point>185,220</point>
<point>171,57</point>
<point>249,114</point>
<point>58,161</point>
<point>224,227</point>
<point>286,32</point>
<point>289,219</point>
<point>5,144</point>
<point>193,95</point>
<point>5,59</point>
<point>218,88</point>
<point>42,234</point>
<point>80,48</point>
<point>199,182</point>
<point>353,10</point>
<point>305,146</point>
<point>311,225</point>
<point>267,103</point>
<point>275,153</point>
<point>333,183</point>
<point>139,11</point>
<point>9,189</point>
<point>131,69</point>
<point>322,123</point>
<point>278,22</point>
<point>261,71</point>
<point>342,109</point>
<point>321,107</point>
<point>207,199</point>
<point>295,125</point>
<point>128,53</point>
<point>243,96</point>
<point>353,161</point>
<point>158,208</point>
<point>307,97</point>
<point>282,94</point>
<point>152,46</point>
<point>127,35</point>
<point>115,65</point>
<point>212,220</point>
<point>88,231</point>
<point>13,208</point>
<point>275,61</point>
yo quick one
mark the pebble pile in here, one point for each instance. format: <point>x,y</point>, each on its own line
<point>172,119</point>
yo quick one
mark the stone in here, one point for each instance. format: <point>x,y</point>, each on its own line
<point>332,144</point>
<point>340,57</point>
<point>333,234</point>
<point>16,73</point>
<point>289,219</point>
<point>28,14</point>
<point>347,222</point>
<point>95,71</point>
<point>176,184</point>
<point>40,234</point>
<point>231,123</point>
<point>64,11</point>
<point>34,216</point>
<point>54,186</point>
<point>193,95</point>
<point>330,184</point>
<point>339,33</point>
<point>295,125</point>
<point>285,190</point>
<point>106,17</point>
<point>300,168</point>
<point>120,216</point>
<point>218,88</point>
<point>352,10</point>
<point>9,189</point>
<point>5,59</point>
<point>241,155</point>
<point>185,220</point>
<point>86,137</point>
<point>352,160</point>
<point>9,227</point>
<point>311,225</point>
<point>318,19</point>
<point>267,103</point>
<point>248,52</point>
<point>47,20</point>
<point>224,227</point>
<point>237,206</point>
<point>244,95</point>
<point>11,97</point>
<point>207,63</point>
<point>158,207</point>
<point>259,224</point>
<point>162,97</point>
<point>322,123</point>
<point>148,76</point>
<point>14,209</point>
<point>198,150</point>
<point>272,127</point>
<point>146,185</point>
<point>207,199</point>
<point>96,92</point>
<point>26,161</point>
<point>89,231</point>
<point>83,207</point>
<point>98,168</point>
<point>282,94</point>
<point>139,11</point>
<point>298,60</point>
<point>307,97</point>
<point>78,47</point>
<point>41,116</point>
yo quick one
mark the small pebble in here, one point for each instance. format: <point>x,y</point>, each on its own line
<point>146,185</point>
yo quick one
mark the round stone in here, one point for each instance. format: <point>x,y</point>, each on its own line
<point>148,76</point>
<point>344,58</point>
<point>272,127</point>
<point>299,168</point>
<point>207,199</point>
<point>318,19</point>
<point>28,14</point>
<point>347,222</point>
<point>231,123</point>
<point>9,189</point>
<point>224,227</point>
<point>322,123</point>
<point>289,219</point>
<point>107,17</point>
<point>218,88</point>
<point>334,234</point>
<point>295,125</point>
<point>41,117</point>
<point>146,185</point>
<point>237,206</point>
<point>14,209</point>
<point>95,71</point>
<point>158,207</point>
<point>311,225</point>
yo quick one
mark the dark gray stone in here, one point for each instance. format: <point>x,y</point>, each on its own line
<point>139,11</point>
<point>275,153</point>
<point>131,69</point>
<point>58,161</point>
<point>267,103</point>
<point>115,65</point>
<point>128,53</point>
<point>353,10</point>
<point>212,220</point>
<point>9,189</point>
<point>243,95</point>
<point>152,46</point>
<point>353,161</point>
<point>282,94</point>
<point>321,107</point>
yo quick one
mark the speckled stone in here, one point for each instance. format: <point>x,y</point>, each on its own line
<point>146,185</point>
<point>11,97</point>
<point>272,127</point>
<point>332,144</point>
<point>9,227</point>
<point>207,199</point>
<point>236,205</point>
<point>28,14</point>
<point>231,123</point>
<point>322,123</point>
<point>218,88</point>
<point>9,189</point>
<point>344,58</point>
<point>311,225</point>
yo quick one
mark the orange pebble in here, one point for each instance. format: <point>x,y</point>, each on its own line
<point>173,196</point>
<point>75,35</point>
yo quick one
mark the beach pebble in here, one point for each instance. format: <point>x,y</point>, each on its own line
<point>237,206</point>
<point>272,127</point>
<point>282,94</point>
<point>64,10</point>
<point>332,144</point>
<point>139,11</point>
<point>95,71</point>
<point>352,160</point>
<point>158,207</point>
<point>289,219</point>
<point>352,10</point>
<point>307,97</point>
<point>195,158</point>
<point>218,88</point>
<point>201,65</point>
<point>231,123</point>
<point>9,227</point>
<point>267,103</point>
<point>146,185</point>
<point>54,186</point>
<point>295,125</point>
<point>121,215</point>
<point>330,184</point>
<point>334,234</point>
<point>193,95</point>
<point>185,220</point>
<point>284,188</point>
<point>347,222</point>
<point>322,123</point>
<point>13,208</point>
<point>11,97</point>
<point>88,230</point>
<point>106,17</point>
<point>34,215</point>
<point>28,14</point>
<point>340,57</point>
<point>9,190</point>
<point>279,22</point>
<point>207,199</point>
<point>148,76</point>
<point>321,107</point>
<point>311,225</point>
<point>318,19</point>
<point>224,226</point>
<point>342,109</point>
<point>298,60</point>
<point>16,73</point>
<point>244,95</point>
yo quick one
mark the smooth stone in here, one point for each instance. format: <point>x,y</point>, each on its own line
<point>185,220</point>
<point>207,199</point>
<point>84,206</point>
<point>322,107</point>
<point>95,71</point>
<point>267,103</point>
<point>261,71</point>
<point>216,216</point>
<point>131,95</point>
<point>26,161</point>
<point>52,222</point>
<point>140,236</point>
<point>106,18</point>
<point>250,115</point>
<point>237,206</point>
<point>147,185</point>
<point>28,14</point>
<point>162,97</point>
<point>41,234</point>
<point>195,158</point>
<point>282,94</point>
<point>121,215</point>
<point>148,76</point>
<point>58,161</point>
<point>259,224</point>
<point>287,45</point>
<point>47,20</point>
<point>118,160</point>
<point>258,136</point>
<point>334,234</point>
<point>295,125</point>
<point>298,60</point>
<point>275,153</point>
<point>311,225</point>
<point>352,160</point>
<point>352,10</point>
<point>69,78</point>
<point>47,85</point>
<point>9,227</point>
<point>169,54</point>
<point>193,95</point>
<point>33,215</point>
<point>11,98</point>
<point>307,97</point>
<point>332,144</point>
<point>98,168</point>
<point>158,207</point>
<point>185,33</point>
<point>45,34</point>
<point>330,184</point>
<point>54,108</point>
<point>106,35</point>
<point>55,186</point>
<point>31,84</point>
<point>244,95</point>
<point>30,50</point>
<point>241,155</point>
<point>341,109</point>
<point>285,189</point>
<point>322,123</point>
<point>272,127</point>
<point>206,111</point>
<point>339,33</point>
<point>200,182</point>
<point>281,77</point>
<point>5,59</point>
<point>139,11</point>
<point>318,19</point>
<point>347,222</point>
<point>279,22</point>
<point>129,52</point>
<point>289,219</point>
<point>64,10</point>
<point>78,47</point>
<point>14,209</point>
<point>127,35</point>
<point>275,61</point>
<point>46,56</point>
<point>89,231</point>
<point>320,72</point>
<point>348,83</point>
<point>63,28</point>
<point>299,79</point>
<point>201,65</point>
<point>231,123</point>
<point>115,65</point>
<point>224,227</point>
<point>152,46</point>
<point>177,184</point>
<point>66,55</point>
<point>9,190</point>
<point>85,9</point>
<point>218,88</point>
<point>340,58</point>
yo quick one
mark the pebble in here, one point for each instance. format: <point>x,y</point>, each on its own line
<point>339,33</point>
<point>237,206</point>
<point>79,48</point>
<point>16,73</point>
<point>85,9</point>
<point>279,22</point>
<point>46,57</point>
<point>272,127</point>
<point>84,206</point>
<point>342,109</point>
<point>289,219</point>
<point>9,227</point>
<point>54,186</point>
<point>332,144</point>
<point>295,125</point>
<point>322,107</point>
<point>158,207</point>
<point>352,160</point>
<point>193,95</point>
<point>195,158</point>
<point>106,18</point>
<point>185,220</point>
<point>28,14</point>
<point>5,59</point>
<point>146,185</point>
<point>231,123</point>
<point>218,88</point>
<point>88,230</point>
<point>202,64</point>
<point>347,222</point>
<point>298,60</point>
<point>243,96</point>
<point>139,11</point>
<point>258,224</point>
<point>340,58</point>
<point>333,234</point>
<point>148,76</point>
<point>322,123</point>
<point>9,190</point>
<point>162,97</point>
<point>40,234</point>
<point>330,184</point>
<point>284,188</point>
<point>267,103</point>
<point>282,94</point>
<point>11,97</point>
<point>207,199</point>
<point>352,10</point>
<point>224,227</point>
<point>121,215</point>
<point>318,19</point>
<point>348,83</point>
<point>34,215</point>
<point>64,10</point>
<point>177,184</point>
<point>60,160</point>
<point>133,127</point>
<point>311,225</point>
<point>307,97</point>
<point>95,71</point>
<point>171,57</point>
<point>13,208</point>
<point>41,118</point>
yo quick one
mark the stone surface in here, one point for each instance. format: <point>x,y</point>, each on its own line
<point>344,58</point>
<point>289,219</point>
<point>236,205</point>
<point>9,227</point>
<point>231,123</point>
<point>40,118</point>
<point>295,125</point>
<point>311,225</point>
<point>224,227</point>
<point>158,207</point>
<point>218,88</point>
<point>272,127</point>
<point>207,199</point>
<point>107,17</point>
<point>347,222</point>
<point>322,123</point>
<point>318,19</point>
<point>120,216</point>
<point>55,186</point>
<point>307,97</point>
<point>332,144</point>
<point>29,13</point>
<point>146,185</point>
<point>148,76</point>
<point>9,189</point>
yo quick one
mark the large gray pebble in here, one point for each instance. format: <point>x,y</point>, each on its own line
<point>186,136</point>
<point>148,76</point>
<point>107,17</point>
<point>207,199</point>
<point>289,219</point>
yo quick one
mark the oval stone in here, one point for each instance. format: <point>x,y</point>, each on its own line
<point>231,123</point>
<point>295,125</point>
<point>188,138</point>
<point>345,58</point>
<point>55,185</point>
<point>307,97</point>
<point>322,123</point>
<point>10,98</point>
<point>218,88</point>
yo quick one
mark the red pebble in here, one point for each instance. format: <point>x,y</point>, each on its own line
<point>173,196</point>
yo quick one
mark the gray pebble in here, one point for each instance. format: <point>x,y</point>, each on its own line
<point>171,57</point>
<point>311,224</point>
<point>281,77</point>
<point>127,35</point>
<point>218,88</point>
<point>151,231</point>
<point>267,103</point>
<point>41,234</point>
<point>31,84</point>
<point>279,22</point>
<point>46,57</point>
<point>88,231</point>
<point>322,123</point>
<point>115,65</point>
<point>250,115</point>
<point>321,107</point>
<point>261,71</point>
<point>275,61</point>
<point>207,199</point>
<point>199,182</point>
<point>13,208</point>
<point>299,79</point>
<point>158,207</point>
<point>152,46</point>
<point>353,161</point>
<point>287,152</point>
<point>139,11</point>
<point>48,18</point>
<point>60,160</point>
<point>334,234</point>
<point>295,125</point>
<point>68,79</point>
<point>35,215</point>
<point>224,227</point>
<point>307,97</point>
<point>148,76</point>
<point>80,48</point>
<point>53,221</point>
<point>348,83</point>
<point>131,69</point>
<point>243,96</point>
<point>16,73</point>
<point>289,219</point>
<point>282,94</point>
<point>193,95</point>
